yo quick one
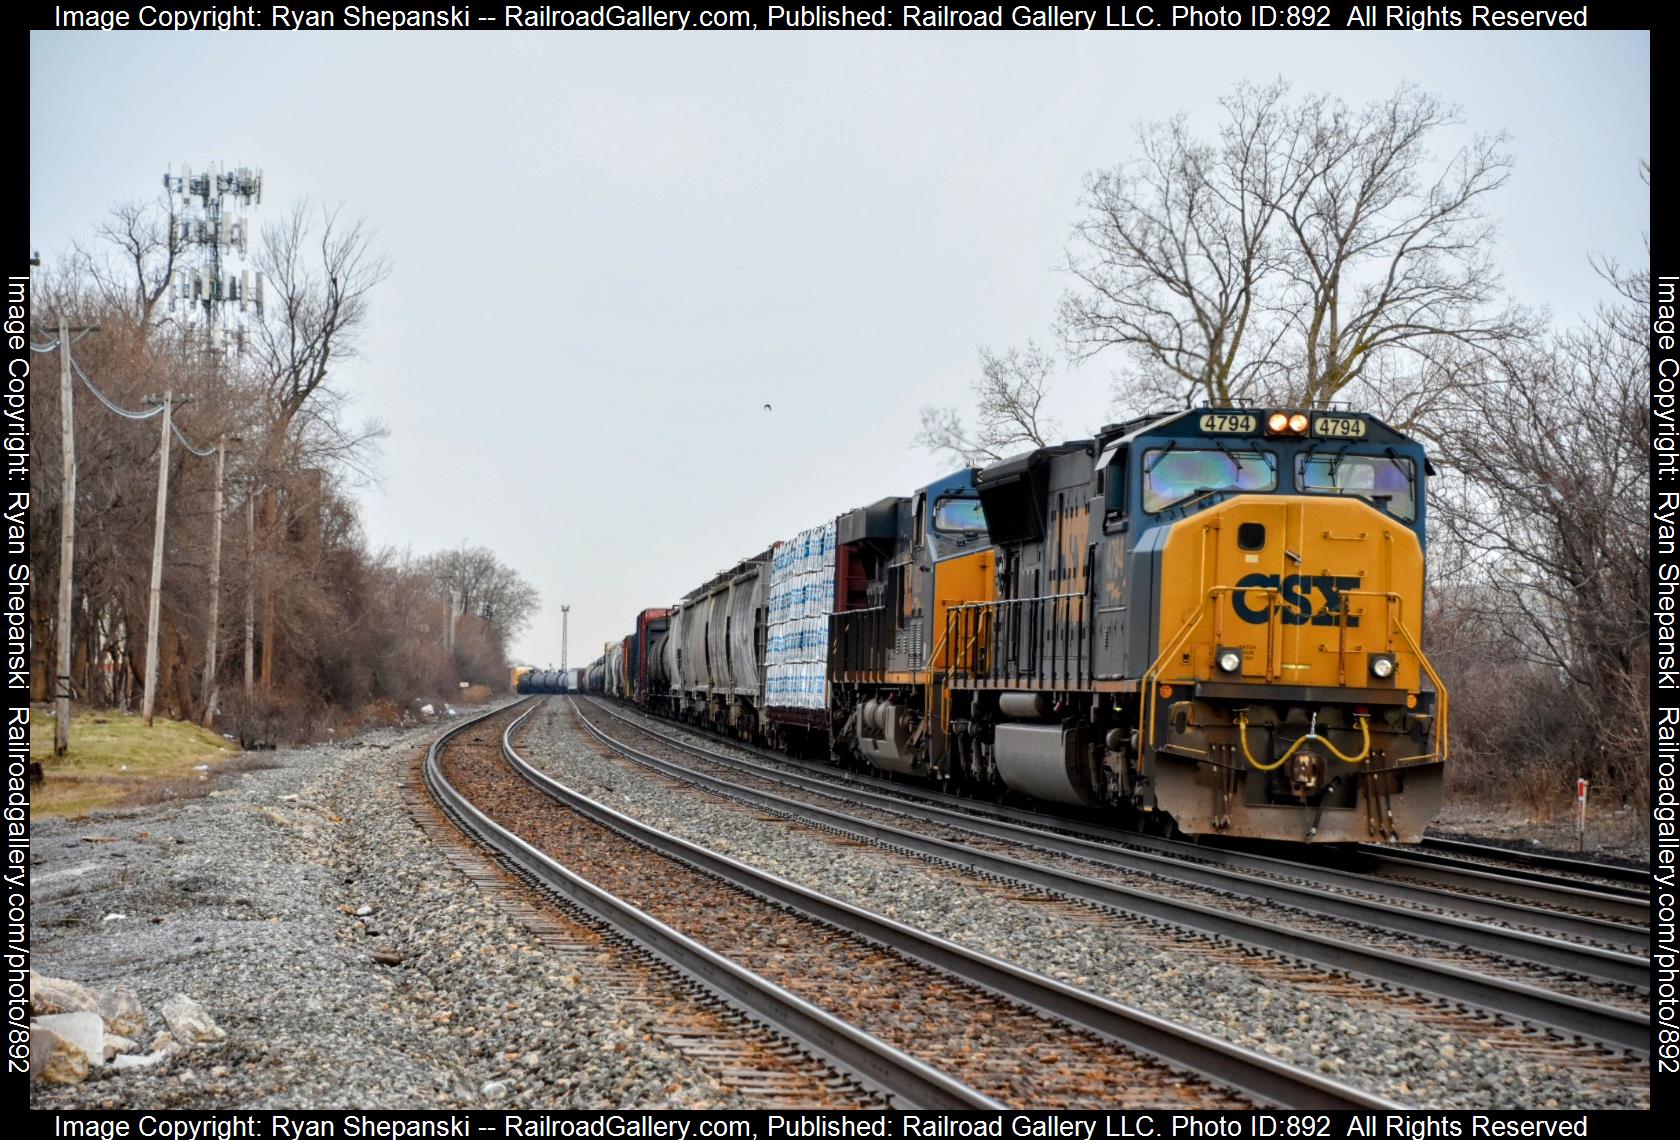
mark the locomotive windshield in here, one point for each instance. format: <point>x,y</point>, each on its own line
<point>959,516</point>
<point>1174,475</point>
<point>1387,481</point>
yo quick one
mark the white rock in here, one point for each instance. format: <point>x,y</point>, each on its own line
<point>113,917</point>
<point>188,1021</point>
<point>117,1045</point>
<point>82,1032</point>
<point>494,1090</point>
<point>140,1060</point>
<point>363,911</point>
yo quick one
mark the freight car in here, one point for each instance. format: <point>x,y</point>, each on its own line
<point>1206,621</point>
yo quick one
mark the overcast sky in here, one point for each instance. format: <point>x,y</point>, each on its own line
<point>610,250</point>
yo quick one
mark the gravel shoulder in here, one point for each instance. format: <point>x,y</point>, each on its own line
<point>1409,1053</point>
<point>246,900</point>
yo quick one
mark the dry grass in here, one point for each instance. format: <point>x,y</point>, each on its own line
<point>477,694</point>
<point>115,760</point>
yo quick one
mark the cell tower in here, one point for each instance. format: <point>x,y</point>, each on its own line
<point>208,222</point>
<point>564,612</point>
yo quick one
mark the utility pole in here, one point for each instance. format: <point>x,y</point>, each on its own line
<point>215,584</point>
<point>66,541</point>
<point>153,611</point>
<point>250,593</point>
<point>565,612</point>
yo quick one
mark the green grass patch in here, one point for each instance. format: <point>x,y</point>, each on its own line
<point>115,761</point>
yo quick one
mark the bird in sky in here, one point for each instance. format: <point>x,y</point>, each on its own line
<point>767,407</point>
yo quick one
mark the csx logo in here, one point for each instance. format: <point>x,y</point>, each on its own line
<point>1296,593</point>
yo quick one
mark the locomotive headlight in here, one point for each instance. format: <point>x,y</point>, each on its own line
<point>1298,423</point>
<point>1228,660</point>
<point>1382,666</point>
<point>1277,422</point>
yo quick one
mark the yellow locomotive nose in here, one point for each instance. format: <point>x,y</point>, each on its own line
<point>1293,589</point>
<point>1292,675</point>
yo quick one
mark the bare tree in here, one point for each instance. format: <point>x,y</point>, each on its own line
<point>1286,259</point>
<point>484,587</point>
<point>129,277</point>
<point>320,273</point>
<point>1175,250</point>
<point>1546,476</point>
<point>1008,409</point>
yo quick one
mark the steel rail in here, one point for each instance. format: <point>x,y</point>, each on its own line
<point>851,1049</point>
<point>1586,961</point>
<point>1589,867</point>
<point>1265,1079</point>
<point>1533,912</point>
<point>1435,855</point>
<point>1623,1028</point>
<point>1239,875</point>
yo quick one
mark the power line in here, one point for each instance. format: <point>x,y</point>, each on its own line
<point>108,402</point>
<point>201,452</point>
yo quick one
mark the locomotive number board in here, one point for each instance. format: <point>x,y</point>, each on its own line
<point>1338,427</point>
<point>1230,423</point>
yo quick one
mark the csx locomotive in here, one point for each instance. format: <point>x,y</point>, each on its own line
<point>1207,621</point>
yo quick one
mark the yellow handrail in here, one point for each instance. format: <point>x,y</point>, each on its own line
<point>1152,675</point>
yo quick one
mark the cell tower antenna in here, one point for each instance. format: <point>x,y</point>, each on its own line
<point>210,227</point>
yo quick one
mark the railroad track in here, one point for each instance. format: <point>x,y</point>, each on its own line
<point>929,1022</point>
<point>1606,914</point>
<point>1626,1028</point>
<point>1547,879</point>
<point>740,1054</point>
<point>1573,868</point>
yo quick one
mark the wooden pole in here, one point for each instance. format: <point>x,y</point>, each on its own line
<point>250,594</point>
<point>66,541</point>
<point>153,612</point>
<point>215,586</point>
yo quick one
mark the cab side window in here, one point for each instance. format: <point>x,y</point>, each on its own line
<point>1114,485</point>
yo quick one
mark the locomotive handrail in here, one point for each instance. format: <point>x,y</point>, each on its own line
<point>1152,675</point>
<point>1056,641</point>
<point>1146,689</point>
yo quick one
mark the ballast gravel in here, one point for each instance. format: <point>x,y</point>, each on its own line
<point>349,963</point>
<point>1390,1051</point>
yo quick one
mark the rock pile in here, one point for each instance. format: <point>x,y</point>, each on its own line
<point>74,1029</point>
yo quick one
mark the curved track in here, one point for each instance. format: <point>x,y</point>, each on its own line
<point>1621,1027</point>
<point>1147,1058</point>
